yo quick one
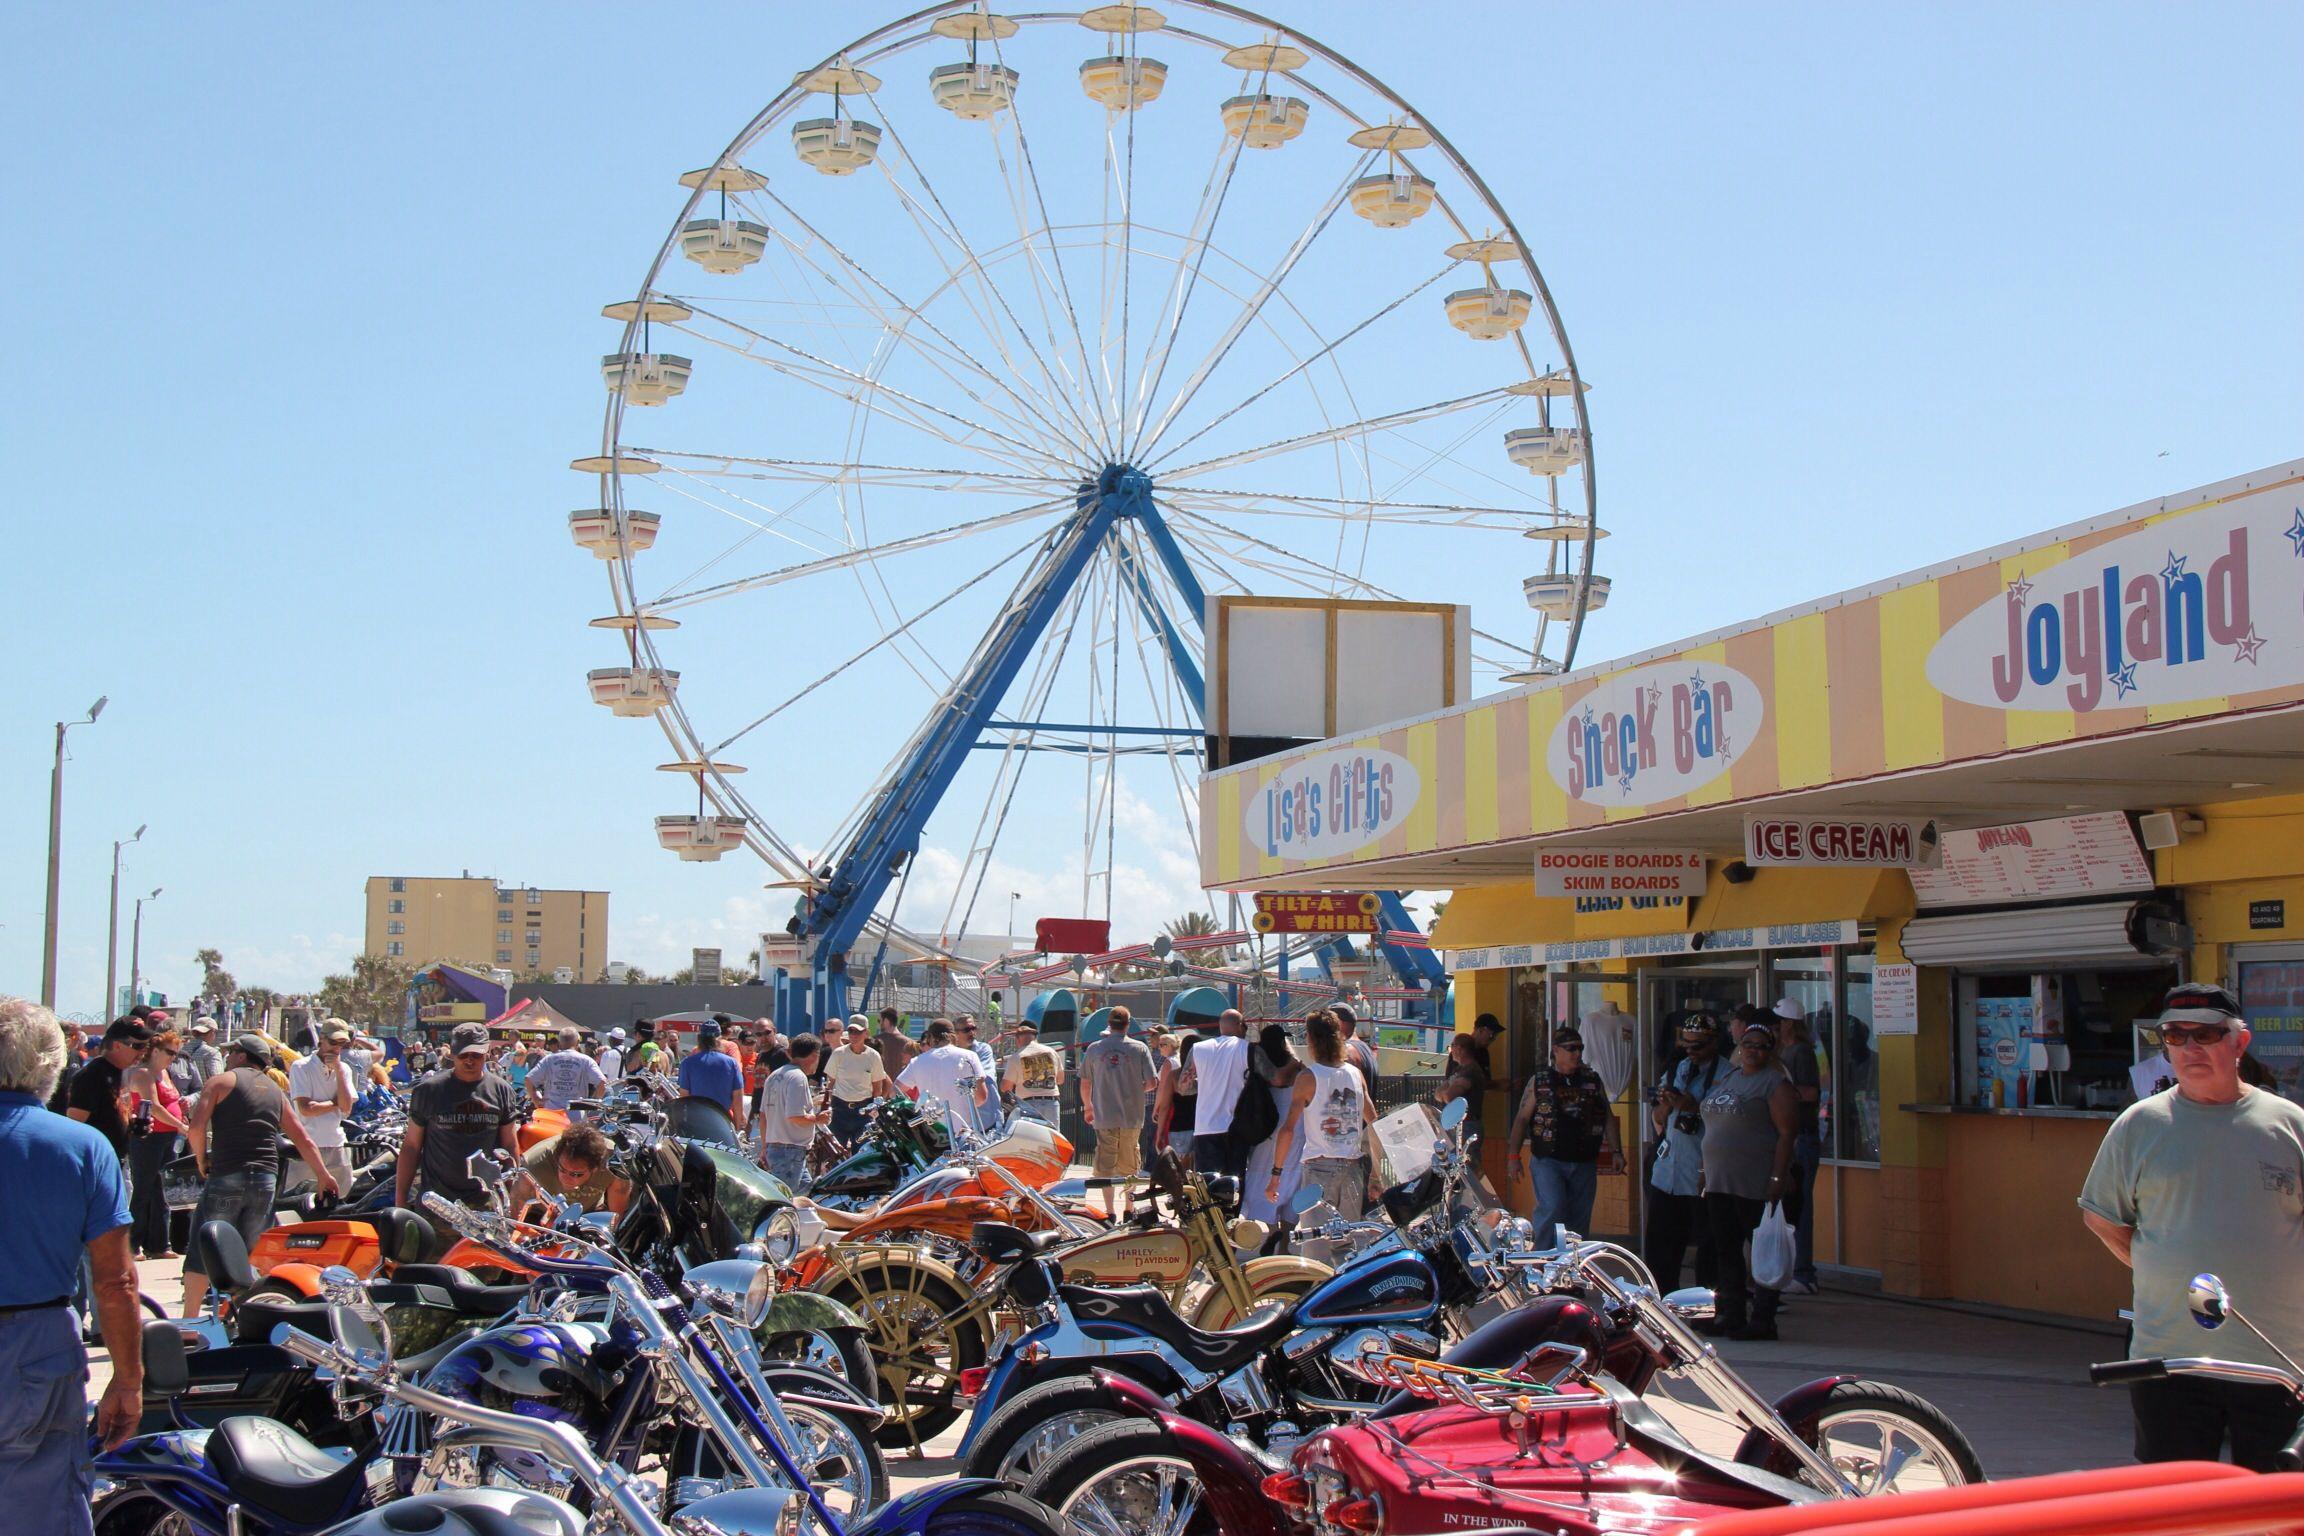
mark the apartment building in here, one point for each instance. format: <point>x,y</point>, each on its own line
<point>484,922</point>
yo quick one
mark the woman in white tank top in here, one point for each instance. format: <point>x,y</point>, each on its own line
<point>1331,1110</point>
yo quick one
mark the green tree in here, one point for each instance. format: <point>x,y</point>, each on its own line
<point>375,992</point>
<point>1194,925</point>
<point>216,981</point>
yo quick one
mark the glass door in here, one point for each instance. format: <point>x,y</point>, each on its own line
<point>1667,995</point>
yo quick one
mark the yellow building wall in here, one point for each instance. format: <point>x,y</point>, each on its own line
<point>2015,1235</point>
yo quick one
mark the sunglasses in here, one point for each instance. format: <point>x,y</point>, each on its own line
<point>1570,1045</point>
<point>2192,1034</point>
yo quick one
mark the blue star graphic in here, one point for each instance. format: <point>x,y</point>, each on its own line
<point>1695,681</point>
<point>2296,533</point>
<point>2124,679</point>
<point>2173,571</point>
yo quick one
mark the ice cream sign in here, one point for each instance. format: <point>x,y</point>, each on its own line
<point>1654,733</point>
<point>1331,803</point>
<point>2201,606</point>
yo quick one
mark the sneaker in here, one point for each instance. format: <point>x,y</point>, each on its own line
<point>1802,1288</point>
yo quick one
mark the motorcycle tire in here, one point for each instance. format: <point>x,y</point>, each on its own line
<point>844,1354</point>
<point>133,1512</point>
<point>1037,1421</point>
<point>893,1320</point>
<point>695,1455</point>
<point>1882,1404</point>
<point>1119,1476</point>
<point>274,1292</point>
<point>994,1512</point>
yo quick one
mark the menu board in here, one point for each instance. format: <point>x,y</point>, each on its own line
<point>2090,855</point>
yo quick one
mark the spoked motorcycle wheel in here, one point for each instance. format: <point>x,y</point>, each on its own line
<point>1882,1438</point>
<point>135,1513</point>
<point>996,1512</point>
<point>920,1344</point>
<point>1124,1479</point>
<point>1036,1423</point>
<point>840,1459</point>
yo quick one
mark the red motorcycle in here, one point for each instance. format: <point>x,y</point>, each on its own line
<point>1563,1440</point>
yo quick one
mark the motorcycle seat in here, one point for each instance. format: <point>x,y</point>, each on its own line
<point>467,1292</point>
<point>252,1322</point>
<point>1143,1307</point>
<point>1005,1244</point>
<point>271,1468</point>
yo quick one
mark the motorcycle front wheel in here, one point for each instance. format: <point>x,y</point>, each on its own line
<point>1882,1438</point>
<point>1035,1423</point>
<point>1124,1479</point>
<point>840,1459</point>
<point>133,1512</point>
<point>996,1512</point>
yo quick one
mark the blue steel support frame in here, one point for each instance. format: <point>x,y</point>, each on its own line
<point>890,834</point>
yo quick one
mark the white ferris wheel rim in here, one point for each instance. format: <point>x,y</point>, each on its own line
<point>913,31</point>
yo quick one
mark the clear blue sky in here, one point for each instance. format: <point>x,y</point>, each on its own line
<point>306,306</point>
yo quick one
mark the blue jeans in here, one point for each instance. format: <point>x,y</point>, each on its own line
<point>1043,1110</point>
<point>1807,1154</point>
<point>848,1120</point>
<point>44,1460</point>
<point>1564,1194</point>
<point>244,1199</point>
<point>786,1160</point>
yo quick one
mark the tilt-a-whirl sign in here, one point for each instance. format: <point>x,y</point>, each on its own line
<point>2172,612</point>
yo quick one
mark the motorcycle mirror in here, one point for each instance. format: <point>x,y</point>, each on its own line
<point>2210,1302</point>
<point>1693,1303</point>
<point>1453,1115</point>
<point>736,1288</point>
<point>488,1168</point>
<point>362,1335</point>
<point>1306,1197</point>
<point>341,1285</point>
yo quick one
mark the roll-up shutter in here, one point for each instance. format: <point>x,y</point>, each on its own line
<point>2096,933</point>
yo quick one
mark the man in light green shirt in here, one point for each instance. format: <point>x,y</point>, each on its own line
<point>2207,1176</point>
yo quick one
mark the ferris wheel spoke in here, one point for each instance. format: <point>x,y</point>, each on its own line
<point>1335,434</point>
<point>833,472</point>
<point>908,324</point>
<point>873,395</point>
<point>1328,349</point>
<point>1248,311</point>
<point>852,557</point>
<point>884,640</point>
<point>1423,514</point>
<point>949,228</point>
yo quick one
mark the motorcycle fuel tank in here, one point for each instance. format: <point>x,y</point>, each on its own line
<point>1393,1288</point>
<point>866,1171</point>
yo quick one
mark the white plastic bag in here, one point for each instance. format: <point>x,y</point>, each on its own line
<point>1772,1250</point>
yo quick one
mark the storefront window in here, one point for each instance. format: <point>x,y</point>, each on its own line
<point>1855,1104</point>
<point>2272,997</point>
<point>2055,1039</point>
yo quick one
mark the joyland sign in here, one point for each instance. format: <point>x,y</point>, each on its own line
<point>1331,803</point>
<point>1654,733</point>
<point>2201,606</point>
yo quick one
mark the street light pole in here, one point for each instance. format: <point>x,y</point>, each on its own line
<point>56,853</point>
<point>136,948</point>
<point>112,933</point>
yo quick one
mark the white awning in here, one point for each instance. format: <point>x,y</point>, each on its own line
<point>2095,933</point>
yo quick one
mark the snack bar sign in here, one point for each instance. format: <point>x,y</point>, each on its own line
<point>1654,733</point>
<point>1619,872</point>
<point>1822,842</point>
<point>1315,912</point>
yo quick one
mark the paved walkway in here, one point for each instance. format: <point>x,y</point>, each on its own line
<point>2019,1389</point>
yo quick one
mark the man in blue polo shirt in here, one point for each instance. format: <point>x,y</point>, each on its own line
<point>708,1072</point>
<point>65,1199</point>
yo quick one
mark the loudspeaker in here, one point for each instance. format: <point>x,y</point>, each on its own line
<point>2158,829</point>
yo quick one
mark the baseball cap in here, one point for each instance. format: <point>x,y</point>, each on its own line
<point>2199,1002</point>
<point>337,1030</point>
<point>1027,1026</point>
<point>708,1030</point>
<point>127,1029</point>
<point>1486,1021</point>
<point>616,1035</point>
<point>858,1021</point>
<point>1699,1024</point>
<point>255,1047</point>
<point>468,1037</point>
<point>1567,1034</point>
<point>1788,1009</point>
<point>203,1025</point>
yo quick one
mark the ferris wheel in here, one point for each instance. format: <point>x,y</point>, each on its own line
<point>970,368</point>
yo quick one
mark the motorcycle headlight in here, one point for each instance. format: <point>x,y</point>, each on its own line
<point>1248,1233</point>
<point>735,1288</point>
<point>780,1238</point>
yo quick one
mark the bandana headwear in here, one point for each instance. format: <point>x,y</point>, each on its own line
<point>2202,1016</point>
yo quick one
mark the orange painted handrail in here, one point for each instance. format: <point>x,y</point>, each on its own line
<point>2192,1506</point>
<point>1786,1520</point>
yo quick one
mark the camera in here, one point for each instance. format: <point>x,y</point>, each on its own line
<point>1688,1123</point>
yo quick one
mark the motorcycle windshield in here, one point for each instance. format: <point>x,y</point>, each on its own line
<point>746,1191</point>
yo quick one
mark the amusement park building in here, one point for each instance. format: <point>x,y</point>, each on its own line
<point>2102,727</point>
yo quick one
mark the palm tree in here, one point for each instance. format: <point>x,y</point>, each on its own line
<point>1194,925</point>
<point>216,981</point>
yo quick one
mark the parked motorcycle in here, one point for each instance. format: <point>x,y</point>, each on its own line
<point>1277,1376</point>
<point>2211,1306</point>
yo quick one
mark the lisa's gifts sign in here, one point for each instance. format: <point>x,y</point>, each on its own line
<point>1331,803</point>
<point>1619,872</point>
